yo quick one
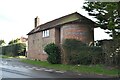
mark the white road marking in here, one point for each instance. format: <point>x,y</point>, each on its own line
<point>59,71</point>
<point>27,66</point>
<point>39,69</point>
<point>34,67</point>
<point>49,70</point>
<point>42,68</point>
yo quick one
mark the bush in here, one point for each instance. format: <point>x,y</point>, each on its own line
<point>53,52</point>
<point>14,49</point>
<point>77,52</point>
<point>97,55</point>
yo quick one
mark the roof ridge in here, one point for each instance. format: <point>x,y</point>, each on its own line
<point>59,18</point>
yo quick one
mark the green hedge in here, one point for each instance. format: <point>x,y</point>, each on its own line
<point>53,52</point>
<point>77,52</point>
<point>14,49</point>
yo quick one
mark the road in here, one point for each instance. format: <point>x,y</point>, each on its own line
<point>13,68</point>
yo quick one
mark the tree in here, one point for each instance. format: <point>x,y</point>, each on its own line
<point>2,42</point>
<point>107,14</point>
<point>13,41</point>
<point>108,17</point>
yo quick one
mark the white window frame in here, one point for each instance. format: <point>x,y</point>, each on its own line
<point>46,33</point>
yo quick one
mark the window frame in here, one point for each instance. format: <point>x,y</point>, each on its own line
<point>46,33</point>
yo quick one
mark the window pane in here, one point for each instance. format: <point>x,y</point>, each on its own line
<point>45,33</point>
<point>48,33</point>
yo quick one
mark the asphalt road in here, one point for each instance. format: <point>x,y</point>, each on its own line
<point>13,68</point>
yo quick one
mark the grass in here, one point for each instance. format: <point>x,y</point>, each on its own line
<point>4,56</point>
<point>93,69</point>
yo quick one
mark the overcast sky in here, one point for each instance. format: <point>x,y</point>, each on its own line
<point>17,16</point>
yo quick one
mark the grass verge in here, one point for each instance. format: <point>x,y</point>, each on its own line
<point>4,56</point>
<point>93,69</point>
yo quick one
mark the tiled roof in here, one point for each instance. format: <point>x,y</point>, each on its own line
<point>60,21</point>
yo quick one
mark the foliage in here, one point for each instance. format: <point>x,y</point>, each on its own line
<point>97,55</point>
<point>107,14</point>
<point>108,17</point>
<point>14,49</point>
<point>111,50</point>
<point>77,52</point>
<point>2,42</point>
<point>13,41</point>
<point>53,52</point>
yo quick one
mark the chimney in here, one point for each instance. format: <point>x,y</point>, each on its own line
<point>36,21</point>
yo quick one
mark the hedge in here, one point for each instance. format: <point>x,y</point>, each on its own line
<point>53,52</point>
<point>14,49</point>
<point>77,52</point>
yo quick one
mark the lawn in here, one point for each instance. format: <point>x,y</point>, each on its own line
<point>92,69</point>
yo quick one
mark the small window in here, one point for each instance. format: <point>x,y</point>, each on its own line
<point>46,33</point>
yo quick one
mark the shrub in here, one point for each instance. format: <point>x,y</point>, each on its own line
<point>97,55</point>
<point>14,49</point>
<point>77,52</point>
<point>53,52</point>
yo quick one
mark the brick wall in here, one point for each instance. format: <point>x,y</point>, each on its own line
<point>36,44</point>
<point>77,31</point>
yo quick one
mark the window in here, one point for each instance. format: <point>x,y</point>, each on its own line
<point>46,33</point>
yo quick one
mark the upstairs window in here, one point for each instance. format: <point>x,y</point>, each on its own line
<point>46,33</point>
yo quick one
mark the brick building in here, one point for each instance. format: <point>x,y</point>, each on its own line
<point>73,26</point>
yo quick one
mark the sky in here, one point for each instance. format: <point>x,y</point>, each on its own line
<point>17,16</point>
